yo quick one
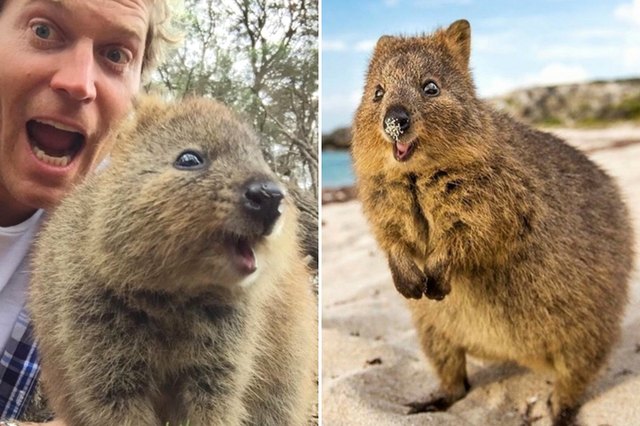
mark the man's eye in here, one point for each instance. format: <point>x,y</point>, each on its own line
<point>117,56</point>
<point>41,30</point>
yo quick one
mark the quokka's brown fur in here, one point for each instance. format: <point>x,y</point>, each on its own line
<point>521,245</point>
<point>141,312</point>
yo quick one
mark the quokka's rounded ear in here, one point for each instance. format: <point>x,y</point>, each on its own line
<point>148,109</point>
<point>384,42</point>
<point>459,34</point>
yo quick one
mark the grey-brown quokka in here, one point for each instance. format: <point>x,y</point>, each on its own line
<point>170,289</point>
<point>521,245</point>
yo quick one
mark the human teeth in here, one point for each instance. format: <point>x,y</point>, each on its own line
<point>54,161</point>
<point>59,126</point>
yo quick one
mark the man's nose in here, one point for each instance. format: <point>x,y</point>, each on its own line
<point>76,73</point>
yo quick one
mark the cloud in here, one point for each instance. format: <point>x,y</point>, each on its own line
<point>594,33</point>
<point>344,46</point>
<point>500,44</point>
<point>428,3</point>
<point>338,110</point>
<point>334,46</point>
<point>558,73</point>
<point>631,57</point>
<point>496,86</point>
<point>435,3</point>
<point>550,75</point>
<point>628,12</point>
<point>578,52</point>
<point>337,103</point>
<point>365,45</point>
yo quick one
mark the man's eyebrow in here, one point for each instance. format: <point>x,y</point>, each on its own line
<point>122,30</point>
<point>57,3</point>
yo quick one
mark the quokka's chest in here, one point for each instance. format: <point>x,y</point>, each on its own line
<point>396,209</point>
<point>415,207</point>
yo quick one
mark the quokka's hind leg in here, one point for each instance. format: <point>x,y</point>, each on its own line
<point>564,401</point>
<point>122,396</point>
<point>132,411</point>
<point>574,373</point>
<point>449,362</point>
<point>211,398</point>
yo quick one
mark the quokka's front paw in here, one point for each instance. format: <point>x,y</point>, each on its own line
<point>409,280</point>
<point>433,404</point>
<point>562,415</point>
<point>440,400</point>
<point>412,283</point>
<point>437,286</point>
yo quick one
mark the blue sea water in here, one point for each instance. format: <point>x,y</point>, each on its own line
<point>336,169</point>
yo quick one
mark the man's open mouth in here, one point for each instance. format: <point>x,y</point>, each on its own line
<point>54,143</point>
<point>403,151</point>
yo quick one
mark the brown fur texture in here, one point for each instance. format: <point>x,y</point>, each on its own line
<point>521,245</point>
<point>141,314</point>
<point>307,206</point>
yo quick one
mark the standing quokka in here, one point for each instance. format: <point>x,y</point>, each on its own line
<point>521,245</point>
<point>169,288</point>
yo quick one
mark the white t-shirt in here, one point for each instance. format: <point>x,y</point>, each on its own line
<point>15,242</point>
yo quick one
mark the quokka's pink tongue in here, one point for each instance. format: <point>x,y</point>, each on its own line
<point>245,257</point>
<point>402,148</point>
<point>52,140</point>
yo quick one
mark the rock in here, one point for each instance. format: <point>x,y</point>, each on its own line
<point>593,103</point>
<point>338,139</point>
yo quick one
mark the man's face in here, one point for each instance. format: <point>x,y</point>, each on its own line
<point>69,71</point>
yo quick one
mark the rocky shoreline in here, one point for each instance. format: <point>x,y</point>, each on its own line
<point>339,194</point>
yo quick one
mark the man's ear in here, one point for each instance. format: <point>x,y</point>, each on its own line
<point>459,36</point>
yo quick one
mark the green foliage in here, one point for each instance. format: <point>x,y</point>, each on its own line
<point>630,108</point>
<point>551,122</point>
<point>592,122</point>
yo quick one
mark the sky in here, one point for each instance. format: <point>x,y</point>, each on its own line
<point>514,43</point>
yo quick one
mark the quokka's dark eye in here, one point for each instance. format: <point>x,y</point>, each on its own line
<point>378,94</point>
<point>430,88</point>
<point>189,160</point>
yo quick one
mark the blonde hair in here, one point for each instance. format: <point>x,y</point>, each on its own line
<point>160,35</point>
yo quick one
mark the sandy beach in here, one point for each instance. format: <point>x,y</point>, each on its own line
<point>372,364</point>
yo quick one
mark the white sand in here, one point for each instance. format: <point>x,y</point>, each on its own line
<point>372,364</point>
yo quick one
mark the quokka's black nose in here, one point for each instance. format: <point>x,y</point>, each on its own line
<point>262,201</point>
<point>396,121</point>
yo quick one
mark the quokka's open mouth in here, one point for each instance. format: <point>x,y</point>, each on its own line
<point>403,151</point>
<point>243,254</point>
